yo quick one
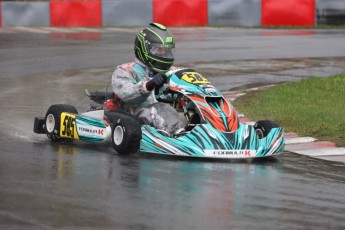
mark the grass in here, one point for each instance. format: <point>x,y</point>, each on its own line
<point>313,107</point>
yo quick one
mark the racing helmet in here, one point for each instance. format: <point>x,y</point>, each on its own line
<point>154,47</point>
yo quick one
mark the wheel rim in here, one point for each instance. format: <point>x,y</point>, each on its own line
<point>260,133</point>
<point>50,123</point>
<point>118,135</point>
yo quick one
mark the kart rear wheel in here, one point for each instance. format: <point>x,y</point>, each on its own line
<point>263,127</point>
<point>126,134</point>
<point>52,121</point>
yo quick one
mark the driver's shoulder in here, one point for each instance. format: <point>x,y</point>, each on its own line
<point>126,66</point>
<point>173,68</point>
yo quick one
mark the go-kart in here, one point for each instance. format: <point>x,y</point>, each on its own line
<point>213,127</point>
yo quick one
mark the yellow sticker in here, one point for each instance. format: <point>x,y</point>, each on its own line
<point>68,127</point>
<point>195,78</point>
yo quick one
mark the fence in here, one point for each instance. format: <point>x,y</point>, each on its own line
<point>172,12</point>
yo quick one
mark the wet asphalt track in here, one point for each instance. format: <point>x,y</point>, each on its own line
<point>87,186</point>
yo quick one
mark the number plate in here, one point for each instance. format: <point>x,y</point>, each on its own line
<point>194,78</point>
<point>68,127</point>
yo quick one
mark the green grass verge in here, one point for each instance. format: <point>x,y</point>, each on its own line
<point>313,107</point>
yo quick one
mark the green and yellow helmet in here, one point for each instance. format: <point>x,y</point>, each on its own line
<point>154,47</point>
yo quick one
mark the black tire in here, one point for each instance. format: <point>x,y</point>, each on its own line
<point>53,117</point>
<point>263,127</point>
<point>126,132</point>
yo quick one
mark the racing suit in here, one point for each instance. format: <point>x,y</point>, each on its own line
<point>129,84</point>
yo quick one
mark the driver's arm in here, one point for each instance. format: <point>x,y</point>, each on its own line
<point>127,88</point>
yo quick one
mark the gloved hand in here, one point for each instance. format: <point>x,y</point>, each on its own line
<point>156,82</point>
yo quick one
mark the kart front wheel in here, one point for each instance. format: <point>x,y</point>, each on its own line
<point>126,135</point>
<point>52,121</point>
<point>263,127</point>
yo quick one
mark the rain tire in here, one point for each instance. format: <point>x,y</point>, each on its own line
<point>126,133</point>
<point>263,127</point>
<point>52,121</point>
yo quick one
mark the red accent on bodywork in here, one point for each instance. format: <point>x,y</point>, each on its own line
<point>175,88</point>
<point>214,118</point>
<point>276,140</point>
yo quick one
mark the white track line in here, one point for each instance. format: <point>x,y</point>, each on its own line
<point>322,152</point>
<point>31,30</point>
<point>299,140</point>
<point>58,30</point>
<point>92,30</point>
<point>120,30</point>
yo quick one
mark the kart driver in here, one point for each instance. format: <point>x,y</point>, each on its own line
<point>135,83</point>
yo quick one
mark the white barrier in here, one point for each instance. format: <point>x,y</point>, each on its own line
<point>234,12</point>
<point>25,14</point>
<point>126,13</point>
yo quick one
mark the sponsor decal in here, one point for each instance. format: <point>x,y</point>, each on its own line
<point>230,153</point>
<point>90,131</point>
<point>210,90</point>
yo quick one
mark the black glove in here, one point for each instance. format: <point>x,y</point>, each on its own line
<point>156,82</point>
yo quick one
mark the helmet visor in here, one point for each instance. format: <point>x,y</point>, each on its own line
<point>159,51</point>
